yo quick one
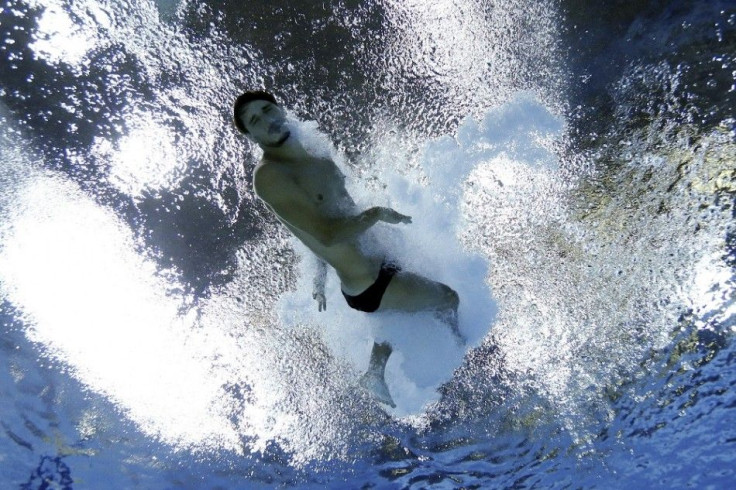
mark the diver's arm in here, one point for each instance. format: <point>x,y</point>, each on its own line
<point>351,226</point>
<point>318,291</point>
<point>292,205</point>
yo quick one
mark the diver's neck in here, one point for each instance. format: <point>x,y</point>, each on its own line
<point>289,150</point>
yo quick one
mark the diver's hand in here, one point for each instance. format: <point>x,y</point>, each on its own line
<point>390,216</point>
<point>319,295</point>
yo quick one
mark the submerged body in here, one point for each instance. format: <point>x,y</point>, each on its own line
<point>314,188</point>
<point>308,195</point>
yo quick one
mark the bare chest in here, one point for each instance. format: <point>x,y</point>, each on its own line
<point>323,182</point>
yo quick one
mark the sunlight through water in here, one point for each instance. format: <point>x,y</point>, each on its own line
<point>569,168</point>
<point>100,308</point>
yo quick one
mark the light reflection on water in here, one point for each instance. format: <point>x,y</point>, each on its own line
<point>96,305</point>
<point>146,158</point>
<point>608,267</point>
<point>59,38</point>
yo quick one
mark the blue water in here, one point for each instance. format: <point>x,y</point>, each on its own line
<point>570,165</point>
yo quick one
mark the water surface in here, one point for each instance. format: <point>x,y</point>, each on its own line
<point>580,154</point>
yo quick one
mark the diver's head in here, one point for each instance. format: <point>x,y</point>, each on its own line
<point>258,116</point>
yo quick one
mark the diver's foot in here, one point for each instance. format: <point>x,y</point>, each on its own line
<point>451,320</point>
<point>374,384</point>
<point>459,338</point>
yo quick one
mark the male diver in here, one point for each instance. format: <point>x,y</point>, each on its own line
<point>307,194</point>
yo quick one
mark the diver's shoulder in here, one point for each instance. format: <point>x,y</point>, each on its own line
<point>266,168</point>
<point>268,177</point>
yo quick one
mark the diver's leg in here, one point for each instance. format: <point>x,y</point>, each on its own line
<point>411,293</point>
<point>374,379</point>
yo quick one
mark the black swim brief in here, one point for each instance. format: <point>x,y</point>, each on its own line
<point>370,299</point>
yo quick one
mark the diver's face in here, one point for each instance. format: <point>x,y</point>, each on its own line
<point>265,122</point>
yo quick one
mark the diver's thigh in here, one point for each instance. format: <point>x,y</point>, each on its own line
<point>411,292</point>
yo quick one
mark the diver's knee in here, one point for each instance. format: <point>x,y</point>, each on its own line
<point>452,299</point>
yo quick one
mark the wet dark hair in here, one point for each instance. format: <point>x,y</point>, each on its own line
<point>247,98</point>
